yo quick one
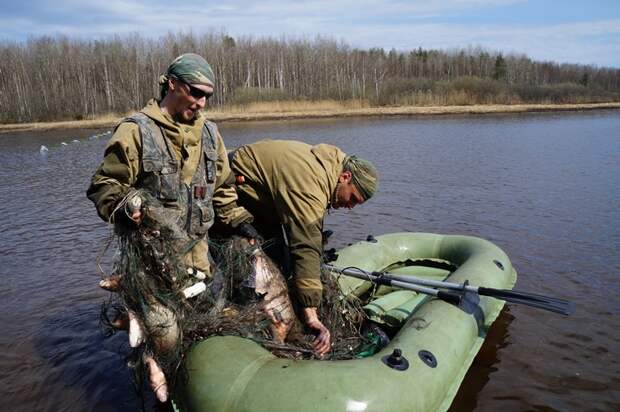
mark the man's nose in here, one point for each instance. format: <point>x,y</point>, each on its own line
<point>202,102</point>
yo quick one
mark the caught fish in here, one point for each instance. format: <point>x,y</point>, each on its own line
<point>136,334</point>
<point>157,378</point>
<point>269,284</point>
<point>110,283</point>
<point>277,304</point>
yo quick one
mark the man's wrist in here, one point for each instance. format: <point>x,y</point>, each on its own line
<point>310,314</point>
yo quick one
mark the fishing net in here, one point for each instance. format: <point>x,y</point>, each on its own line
<point>151,279</point>
<point>240,311</point>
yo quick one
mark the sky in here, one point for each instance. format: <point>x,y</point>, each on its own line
<point>563,31</point>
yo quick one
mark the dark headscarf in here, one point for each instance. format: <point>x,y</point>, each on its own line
<point>363,175</point>
<point>189,68</point>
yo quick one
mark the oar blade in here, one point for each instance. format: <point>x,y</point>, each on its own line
<point>517,294</point>
<point>549,303</point>
<point>568,308</point>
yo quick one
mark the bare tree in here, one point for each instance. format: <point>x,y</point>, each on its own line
<point>56,78</point>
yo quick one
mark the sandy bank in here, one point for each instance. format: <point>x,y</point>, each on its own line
<point>218,116</point>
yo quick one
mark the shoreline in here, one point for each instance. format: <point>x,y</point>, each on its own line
<point>221,117</point>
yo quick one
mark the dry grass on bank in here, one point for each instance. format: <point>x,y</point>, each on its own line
<point>293,106</point>
<point>270,111</point>
<point>288,110</point>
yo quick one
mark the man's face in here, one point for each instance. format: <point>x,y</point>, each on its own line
<point>188,99</point>
<point>346,194</point>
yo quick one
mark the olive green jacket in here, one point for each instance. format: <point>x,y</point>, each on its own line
<point>291,183</point>
<point>120,169</point>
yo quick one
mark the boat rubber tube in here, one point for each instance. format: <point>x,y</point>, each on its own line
<point>438,343</point>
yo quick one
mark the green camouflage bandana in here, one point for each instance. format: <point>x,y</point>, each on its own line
<point>189,68</point>
<point>363,175</point>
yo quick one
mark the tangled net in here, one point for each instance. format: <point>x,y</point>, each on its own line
<point>153,278</point>
<point>242,313</point>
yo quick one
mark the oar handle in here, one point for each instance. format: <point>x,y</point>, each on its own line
<point>447,296</point>
<point>450,297</point>
<point>379,278</point>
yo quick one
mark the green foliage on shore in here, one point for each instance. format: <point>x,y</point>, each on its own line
<point>58,78</point>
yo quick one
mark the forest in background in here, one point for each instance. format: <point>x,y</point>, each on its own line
<point>59,78</point>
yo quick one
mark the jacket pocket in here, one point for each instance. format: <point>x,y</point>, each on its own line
<point>202,218</point>
<point>210,162</point>
<point>161,178</point>
<point>169,183</point>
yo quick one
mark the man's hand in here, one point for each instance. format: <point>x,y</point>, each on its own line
<point>134,209</point>
<point>322,343</point>
<point>129,211</point>
<point>136,216</point>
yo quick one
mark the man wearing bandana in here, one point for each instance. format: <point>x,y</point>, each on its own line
<point>288,186</point>
<point>170,150</point>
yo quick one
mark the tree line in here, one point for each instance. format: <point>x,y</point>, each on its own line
<point>60,78</point>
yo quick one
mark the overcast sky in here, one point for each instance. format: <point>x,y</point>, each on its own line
<point>571,31</point>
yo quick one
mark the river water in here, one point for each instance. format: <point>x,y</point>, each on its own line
<point>543,187</point>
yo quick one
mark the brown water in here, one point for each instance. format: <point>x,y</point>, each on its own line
<point>544,187</point>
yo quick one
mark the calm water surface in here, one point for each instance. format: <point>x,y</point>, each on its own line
<point>544,187</point>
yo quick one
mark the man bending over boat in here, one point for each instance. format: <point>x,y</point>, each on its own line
<point>288,186</point>
<point>172,152</point>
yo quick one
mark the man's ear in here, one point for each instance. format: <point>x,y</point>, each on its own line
<point>171,84</point>
<point>345,177</point>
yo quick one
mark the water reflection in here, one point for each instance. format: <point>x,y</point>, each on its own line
<point>485,364</point>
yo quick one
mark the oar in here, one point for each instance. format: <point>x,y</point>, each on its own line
<point>449,297</point>
<point>539,301</point>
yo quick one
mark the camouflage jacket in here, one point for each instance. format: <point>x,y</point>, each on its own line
<point>121,171</point>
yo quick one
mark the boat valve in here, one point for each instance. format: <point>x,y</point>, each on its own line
<point>396,360</point>
<point>428,358</point>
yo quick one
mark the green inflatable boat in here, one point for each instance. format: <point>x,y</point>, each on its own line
<point>420,369</point>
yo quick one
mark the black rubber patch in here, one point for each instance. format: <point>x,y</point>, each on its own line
<point>428,358</point>
<point>371,239</point>
<point>498,264</point>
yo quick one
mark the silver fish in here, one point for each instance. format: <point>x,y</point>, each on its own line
<point>269,284</point>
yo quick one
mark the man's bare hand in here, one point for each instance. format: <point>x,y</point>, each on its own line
<point>322,343</point>
<point>136,216</point>
<point>134,206</point>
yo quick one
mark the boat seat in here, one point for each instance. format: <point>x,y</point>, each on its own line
<point>395,306</point>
